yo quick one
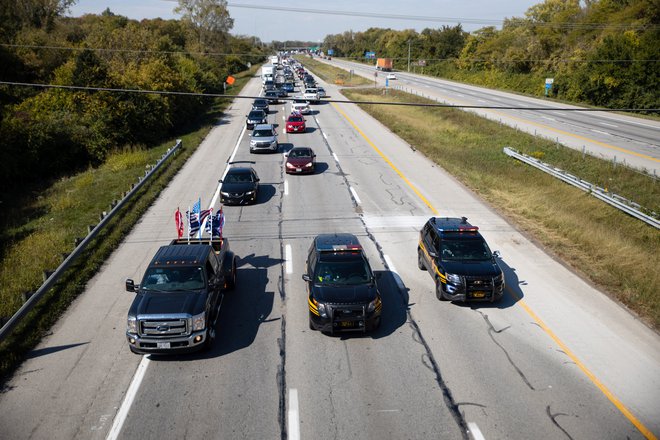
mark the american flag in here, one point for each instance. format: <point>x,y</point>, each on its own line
<point>215,224</point>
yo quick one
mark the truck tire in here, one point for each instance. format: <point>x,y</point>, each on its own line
<point>230,275</point>
<point>210,339</point>
<point>311,325</point>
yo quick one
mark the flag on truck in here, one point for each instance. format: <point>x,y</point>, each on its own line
<point>193,217</point>
<point>178,219</point>
<point>215,224</point>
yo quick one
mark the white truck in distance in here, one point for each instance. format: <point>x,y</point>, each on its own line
<point>267,73</point>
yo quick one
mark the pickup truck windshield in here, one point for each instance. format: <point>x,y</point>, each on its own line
<point>172,279</point>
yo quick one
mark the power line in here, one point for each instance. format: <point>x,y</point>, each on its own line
<point>340,101</point>
<point>440,19</point>
<point>138,51</point>
<point>167,52</point>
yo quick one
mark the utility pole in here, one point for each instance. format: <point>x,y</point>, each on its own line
<point>409,55</point>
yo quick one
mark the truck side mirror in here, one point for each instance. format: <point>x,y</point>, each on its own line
<point>130,285</point>
<point>306,277</point>
<point>496,254</point>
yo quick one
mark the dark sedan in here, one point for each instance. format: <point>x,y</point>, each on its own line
<point>240,186</point>
<point>255,117</point>
<point>260,104</point>
<point>300,160</point>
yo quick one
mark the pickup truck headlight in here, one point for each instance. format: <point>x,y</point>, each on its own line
<point>454,279</point>
<point>199,322</point>
<point>131,325</point>
<point>322,310</point>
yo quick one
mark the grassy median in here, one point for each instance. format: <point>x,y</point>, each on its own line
<point>333,75</point>
<point>613,250</point>
<point>45,226</point>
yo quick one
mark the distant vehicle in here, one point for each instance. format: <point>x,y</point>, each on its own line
<point>300,107</point>
<point>240,186</point>
<point>295,123</point>
<point>267,73</point>
<point>264,138</point>
<point>300,160</point>
<point>391,76</point>
<point>178,301</point>
<point>459,260</point>
<point>255,117</point>
<point>272,96</point>
<point>288,87</point>
<point>311,94</point>
<point>281,92</point>
<point>260,104</point>
<point>341,288</point>
<point>321,92</point>
<point>384,64</point>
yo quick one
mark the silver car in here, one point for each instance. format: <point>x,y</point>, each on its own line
<point>264,138</point>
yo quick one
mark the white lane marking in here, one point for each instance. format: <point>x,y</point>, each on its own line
<point>397,278</point>
<point>476,432</point>
<point>549,118</point>
<point>294,422</point>
<point>480,100</point>
<point>609,125</point>
<point>288,258</point>
<point>462,96</point>
<point>602,132</point>
<point>336,158</point>
<point>388,410</point>
<point>325,136</point>
<point>357,199</point>
<point>286,187</point>
<point>283,118</point>
<point>120,418</point>
<point>559,113</point>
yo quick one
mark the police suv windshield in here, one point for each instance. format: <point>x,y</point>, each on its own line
<point>464,250</point>
<point>348,272</point>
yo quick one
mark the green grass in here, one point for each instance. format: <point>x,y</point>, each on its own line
<point>62,211</point>
<point>611,249</point>
<point>331,74</point>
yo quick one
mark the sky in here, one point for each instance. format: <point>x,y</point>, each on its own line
<point>283,25</point>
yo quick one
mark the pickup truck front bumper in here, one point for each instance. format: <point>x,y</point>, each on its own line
<point>181,344</point>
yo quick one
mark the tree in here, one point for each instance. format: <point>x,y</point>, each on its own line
<point>209,18</point>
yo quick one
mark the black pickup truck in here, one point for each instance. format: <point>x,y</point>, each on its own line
<point>178,301</point>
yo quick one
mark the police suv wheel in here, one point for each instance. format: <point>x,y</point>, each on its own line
<point>420,260</point>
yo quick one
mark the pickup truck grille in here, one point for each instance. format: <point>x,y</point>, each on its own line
<point>164,328</point>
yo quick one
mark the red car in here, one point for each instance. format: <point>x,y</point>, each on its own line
<point>295,123</point>
<point>300,160</point>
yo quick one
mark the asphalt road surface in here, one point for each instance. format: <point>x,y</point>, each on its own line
<point>607,135</point>
<point>555,359</point>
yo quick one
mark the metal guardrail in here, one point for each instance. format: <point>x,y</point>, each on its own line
<point>93,232</point>
<point>625,205</point>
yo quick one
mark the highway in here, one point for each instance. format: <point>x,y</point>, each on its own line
<point>555,359</point>
<point>607,135</point>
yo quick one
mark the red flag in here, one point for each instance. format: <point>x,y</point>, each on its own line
<point>178,219</point>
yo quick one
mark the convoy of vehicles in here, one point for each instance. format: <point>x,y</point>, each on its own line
<point>178,301</point>
<point>179,297</point>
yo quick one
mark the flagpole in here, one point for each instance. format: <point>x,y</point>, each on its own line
<point>211,220</point>
<point>188,222</point>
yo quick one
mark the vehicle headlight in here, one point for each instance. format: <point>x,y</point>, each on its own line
<point>131,325</point>
<point>373,305</point>
<point>499,278</point>
<point>253,142</point>
<point>249,193</point>
<point>199,322</point>
<point>309,165</point>
<point>226,194</point>
<point>289,126</point>
<point>454,279</point>
<point>290,165</point>
<point>322,310</point>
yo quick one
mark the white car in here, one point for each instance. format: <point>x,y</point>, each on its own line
<point>391,76</point>
<point>300,107</point>
<point>311,94</point>
<point>321,92</point>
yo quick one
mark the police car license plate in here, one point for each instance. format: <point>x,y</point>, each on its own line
<point>479,294</point>
<point>163,345</point>
<point>347,324</point>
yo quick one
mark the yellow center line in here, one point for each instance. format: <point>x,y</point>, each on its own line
<point>611,397</point>
<point>389,162</point>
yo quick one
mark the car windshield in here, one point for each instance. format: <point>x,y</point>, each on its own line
<point>256,115</point>
<point>351,272</point>
<point>259,102</point>
<point>262,133</point>
<point>465,250</point>
<point>295,119</point>
<point>173,279</point>
<point>238,177</point>
<point>300,153</point>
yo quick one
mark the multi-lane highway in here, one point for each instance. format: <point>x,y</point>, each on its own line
<point>607,135</point>
<point>556,359</point>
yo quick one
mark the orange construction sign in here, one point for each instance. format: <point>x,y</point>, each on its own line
<point>230,80</point>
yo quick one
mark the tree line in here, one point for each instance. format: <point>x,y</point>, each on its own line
<point>599,52</point>
<point>47,132</point>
